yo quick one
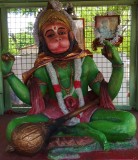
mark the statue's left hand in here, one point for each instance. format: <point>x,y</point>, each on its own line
<point>7,62</point>
<point>111,53</point>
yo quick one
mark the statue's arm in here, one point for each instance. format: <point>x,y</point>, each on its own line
<point>116,78</point>
<point>91,72</point>
<point>20,89</point>
<point>41,74</point>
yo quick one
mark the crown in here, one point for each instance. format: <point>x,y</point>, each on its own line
<point>51,16</point>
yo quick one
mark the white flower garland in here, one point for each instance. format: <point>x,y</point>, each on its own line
<point>117,34</point>
<point>54,80</point>
<point>78,71</point>
<point>115,38</point>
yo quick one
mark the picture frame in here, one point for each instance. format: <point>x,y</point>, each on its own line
<point>80,37</point>
<point>107,25</point>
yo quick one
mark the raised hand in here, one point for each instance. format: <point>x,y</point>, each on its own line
<point>7,62</point>
<point>111,53</point>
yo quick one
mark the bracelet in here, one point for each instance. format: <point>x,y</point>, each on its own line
<point>8,74</point>
<point>117,65</point>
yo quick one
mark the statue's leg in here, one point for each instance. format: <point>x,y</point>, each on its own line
<point>116,125</point>
<point>84,129</point>
<point>21,120</point>
<point>104,126</point>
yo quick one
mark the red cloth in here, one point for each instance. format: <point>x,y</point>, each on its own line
<point>105,100</point>
<point>37,102</point>
<point>53,111</point>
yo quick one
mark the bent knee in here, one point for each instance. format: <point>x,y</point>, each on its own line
<point>130,122</point>
<point>11,126</point>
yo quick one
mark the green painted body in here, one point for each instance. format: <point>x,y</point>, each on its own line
<point>105,125</point>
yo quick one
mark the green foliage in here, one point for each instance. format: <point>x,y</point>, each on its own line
<point>24,37</point>
<point>18,41</point>
<point>24,11</point>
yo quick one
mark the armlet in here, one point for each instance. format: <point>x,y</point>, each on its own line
<point>41,82</point>
<point>98,78</point>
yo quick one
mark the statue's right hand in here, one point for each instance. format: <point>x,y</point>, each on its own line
<point>7,62</point>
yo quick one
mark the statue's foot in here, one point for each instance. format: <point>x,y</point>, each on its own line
<point>106,146</point>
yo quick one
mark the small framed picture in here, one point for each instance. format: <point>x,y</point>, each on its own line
<point>106,26</point>
<point>80,32</point>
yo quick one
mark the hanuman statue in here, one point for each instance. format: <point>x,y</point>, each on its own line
<point>58,85</point>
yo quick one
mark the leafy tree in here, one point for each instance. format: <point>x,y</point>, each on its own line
<point>22,38</point>
<point>19,40</point>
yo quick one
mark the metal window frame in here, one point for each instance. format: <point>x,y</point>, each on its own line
<point>5,102</point>
<point>134,59</point>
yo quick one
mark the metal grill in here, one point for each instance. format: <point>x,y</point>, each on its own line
<point>104,65</point>
<point>22,45</point>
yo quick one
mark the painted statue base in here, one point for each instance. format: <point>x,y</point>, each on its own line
<point>73,152</point>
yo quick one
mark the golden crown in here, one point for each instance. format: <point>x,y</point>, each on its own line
<point>50,16</point>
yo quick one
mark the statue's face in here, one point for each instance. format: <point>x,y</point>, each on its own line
<point>56,38</point>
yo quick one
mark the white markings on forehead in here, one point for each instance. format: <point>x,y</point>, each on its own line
<point>55,28</point>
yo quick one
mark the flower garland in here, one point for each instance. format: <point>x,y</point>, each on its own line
<point>114,40</point>
<point>77,87</point>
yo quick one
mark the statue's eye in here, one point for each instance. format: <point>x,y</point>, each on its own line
<point>50,34</point>
<point>62,31</point>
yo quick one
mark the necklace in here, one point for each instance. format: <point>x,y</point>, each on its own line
<point>66,89</point>
<point>77,84</point>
